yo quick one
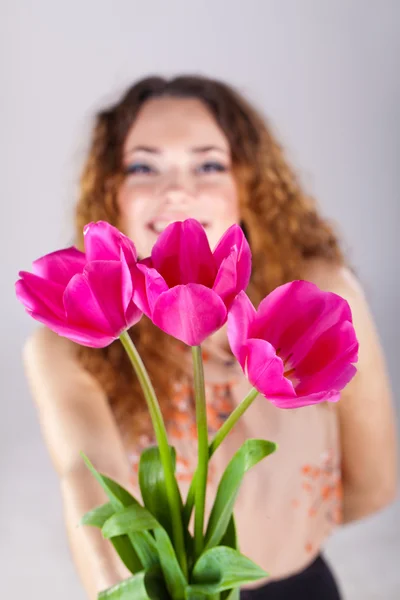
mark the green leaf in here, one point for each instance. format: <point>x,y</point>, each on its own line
<point>223,568</point>
<point>230,540</point>
<point>230,537</point>
<point>154,494</point>
<point>174,577</point>
<point>135,518</point>
<point>143,544</point>
<point>129,520</point>
<point>246,457</point>
<point>146,585</point>
<point>98,516</point>
<point>232,595</point>
<point>119,497</point>
<point>189,546</point>
<point>122,545</point>
<point>152,486</point>
<point>193,595</point>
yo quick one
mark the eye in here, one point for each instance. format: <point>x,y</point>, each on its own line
<point>212,167</point>
<point>139,169</point>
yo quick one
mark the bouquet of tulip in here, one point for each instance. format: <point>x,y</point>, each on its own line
<point>297,349</point>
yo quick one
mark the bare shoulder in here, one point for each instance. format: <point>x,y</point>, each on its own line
<point>340,280</point>
<point>333,277</point>
<point>48,353</point>
<point>366,411</point>
<point>44,343</point>
<point>73,409</point>
<point>54,371</point>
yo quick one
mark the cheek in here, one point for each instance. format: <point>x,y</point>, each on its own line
<point>221,206</point>
<point>133,204</point>
<point>222,201</point>
<point>134,214</point>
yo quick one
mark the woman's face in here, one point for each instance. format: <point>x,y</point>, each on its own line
<point>178,165</point>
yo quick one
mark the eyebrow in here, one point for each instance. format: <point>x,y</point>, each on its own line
<point>200,149</point>
<point>195,150</point>
<point>149,149</point>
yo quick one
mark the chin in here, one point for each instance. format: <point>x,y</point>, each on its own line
<point>214,236</point>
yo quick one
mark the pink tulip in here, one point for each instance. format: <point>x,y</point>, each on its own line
<point>184,287</point>
<point>298,347</point>
<point>86,297</point>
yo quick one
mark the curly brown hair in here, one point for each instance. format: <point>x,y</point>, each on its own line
<point>281,222</point>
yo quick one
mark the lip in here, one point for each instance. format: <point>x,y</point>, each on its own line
<point>159,224</point>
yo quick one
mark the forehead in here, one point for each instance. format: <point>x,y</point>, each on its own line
<point>169,121</point>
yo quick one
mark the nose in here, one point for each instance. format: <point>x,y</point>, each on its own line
<point>178,190</point>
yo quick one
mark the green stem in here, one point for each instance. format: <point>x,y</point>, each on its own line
<point>202,441</point>
<point>165,453</point>
<point>217,441</point>
<point>232,420</point>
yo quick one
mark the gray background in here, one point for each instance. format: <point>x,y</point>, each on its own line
<point>328,75</point>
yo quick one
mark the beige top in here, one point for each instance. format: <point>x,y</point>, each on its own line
<point>291,501</point>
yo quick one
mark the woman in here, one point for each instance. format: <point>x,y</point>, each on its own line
<point>192,147</point>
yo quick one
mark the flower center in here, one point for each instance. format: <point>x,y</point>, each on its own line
<point>288,369</point>
<point>289,373</point>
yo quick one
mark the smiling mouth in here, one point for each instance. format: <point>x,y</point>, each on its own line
<point>158,227</point>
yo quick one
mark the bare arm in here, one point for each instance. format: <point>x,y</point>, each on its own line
<point>365,410</point>
<point>75,416</point>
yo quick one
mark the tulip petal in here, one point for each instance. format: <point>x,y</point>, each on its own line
<point>240,317</point>
<point>84,307</point>
<point>105,279</point>
<point>132,312</point>
<point>189,313</point>
<point>294,315</point>
<point>182,255</point>
<point>225,284</point>
<point>60,266</point>
<point>79,335</point>
<point>126,282</point>
<point>329,363</point>
<point>335,312</point>
<point>235,238</point>
<point>306,400</point>
<point>41,313</point>
<point>148,285</point>
<point>147,262</point>
<point>264,370</point>
<point>104,242</point>
<point>334,343</point>
<point>139,293</point>
<point>165,253</point>
<point>40,295</point>
<point>279,311</point>
<point>335,377</point>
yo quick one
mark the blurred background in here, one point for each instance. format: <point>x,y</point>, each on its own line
<point>326,73</point>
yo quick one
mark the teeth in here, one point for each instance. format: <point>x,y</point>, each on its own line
<point>159,226</point>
